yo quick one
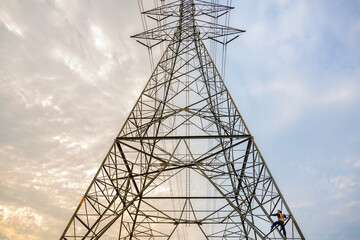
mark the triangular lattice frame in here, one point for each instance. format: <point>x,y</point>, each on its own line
<point>184,165</point>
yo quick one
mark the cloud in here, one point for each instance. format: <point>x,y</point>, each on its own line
<point>73,63</point>
<point>101,42</point>
<point>21,223</point>
<point>303,204</point>
<point>12,27</point>
<point>10,20</point>
<point>53,81</point>
<point>295,61</point>
<point>357,164</point>
<point>343,186</point>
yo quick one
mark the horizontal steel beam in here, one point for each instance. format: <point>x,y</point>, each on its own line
<point>204,197</point>
<point>183,137</point>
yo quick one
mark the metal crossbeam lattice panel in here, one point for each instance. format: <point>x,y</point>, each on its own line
<point>184,165</point>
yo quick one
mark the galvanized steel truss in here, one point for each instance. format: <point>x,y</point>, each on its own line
<point>184,165</point>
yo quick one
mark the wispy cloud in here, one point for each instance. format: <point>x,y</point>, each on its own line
<point>10,25</point>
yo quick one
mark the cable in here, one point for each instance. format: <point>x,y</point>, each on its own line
<point>145,27</point>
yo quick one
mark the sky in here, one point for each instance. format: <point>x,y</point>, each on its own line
<point>70,74</point>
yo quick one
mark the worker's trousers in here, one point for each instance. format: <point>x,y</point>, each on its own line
<point>281,223</point>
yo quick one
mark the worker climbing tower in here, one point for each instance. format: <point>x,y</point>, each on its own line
<point>184,165</point>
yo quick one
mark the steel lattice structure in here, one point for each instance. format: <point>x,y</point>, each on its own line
<point>184,165</point>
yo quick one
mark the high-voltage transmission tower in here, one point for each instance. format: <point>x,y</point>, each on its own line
<point>184,165</point>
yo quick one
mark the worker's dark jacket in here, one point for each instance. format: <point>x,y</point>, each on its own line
<point>278,215</point>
